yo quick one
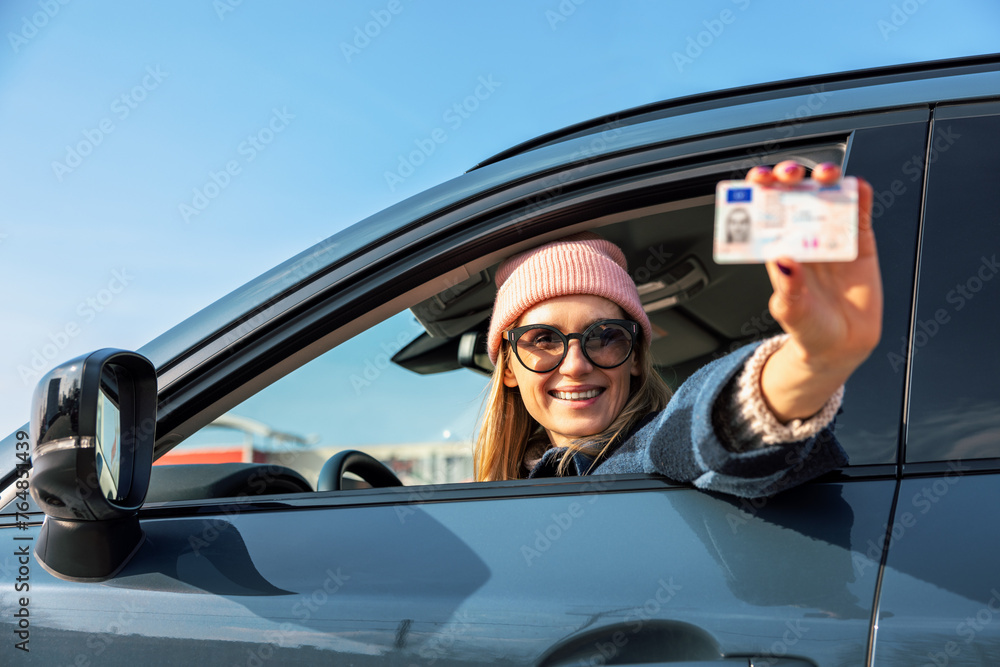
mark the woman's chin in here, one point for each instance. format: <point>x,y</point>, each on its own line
<point>567,431</point>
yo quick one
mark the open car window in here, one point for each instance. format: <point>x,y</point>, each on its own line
<point>409,387</point>
<point>409,390</point>
<point>353,397</point>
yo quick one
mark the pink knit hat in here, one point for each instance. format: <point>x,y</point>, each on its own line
<point>579,264</point>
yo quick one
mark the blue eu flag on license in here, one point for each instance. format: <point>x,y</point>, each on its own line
<point>738,195</point>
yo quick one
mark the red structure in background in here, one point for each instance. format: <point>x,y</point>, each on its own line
<point>213,455</point>
<point>250,450</point>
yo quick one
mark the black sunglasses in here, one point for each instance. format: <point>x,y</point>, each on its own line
<point>541,348</point>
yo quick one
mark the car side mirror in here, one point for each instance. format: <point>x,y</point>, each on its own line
<point>93,422</point>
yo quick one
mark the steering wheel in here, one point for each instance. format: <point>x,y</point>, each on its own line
<point>368,468</point>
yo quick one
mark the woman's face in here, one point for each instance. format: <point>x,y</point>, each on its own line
<point>547,396</point>
<point>738,226</point>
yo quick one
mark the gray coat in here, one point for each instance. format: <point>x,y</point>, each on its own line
<point>682,443</point>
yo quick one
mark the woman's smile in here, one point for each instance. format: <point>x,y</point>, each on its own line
<point>576,394</point>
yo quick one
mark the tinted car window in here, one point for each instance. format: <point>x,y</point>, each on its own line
<point>955,387</point>
<point>869,425</point>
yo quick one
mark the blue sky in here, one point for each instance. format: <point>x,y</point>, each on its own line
<point>155,156</point>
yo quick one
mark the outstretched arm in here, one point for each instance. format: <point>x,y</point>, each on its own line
<point>832,311</point>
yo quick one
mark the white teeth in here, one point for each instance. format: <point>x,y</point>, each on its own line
<point>576,395</point>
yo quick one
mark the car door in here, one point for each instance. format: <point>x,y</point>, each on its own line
<point>616,569</point>
<point>940,600</point>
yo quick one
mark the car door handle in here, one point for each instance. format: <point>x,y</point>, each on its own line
<point>656,642</point>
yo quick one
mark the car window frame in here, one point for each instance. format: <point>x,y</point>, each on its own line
<point>607,189</point>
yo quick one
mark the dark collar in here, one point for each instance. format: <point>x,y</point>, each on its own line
<point>581,464</point>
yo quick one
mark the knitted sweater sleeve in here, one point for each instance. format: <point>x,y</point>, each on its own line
<point>714,435</point>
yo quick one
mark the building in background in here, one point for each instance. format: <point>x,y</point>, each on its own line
<point>414,463</point>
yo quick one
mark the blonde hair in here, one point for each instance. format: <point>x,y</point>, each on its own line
<point>507,427</point>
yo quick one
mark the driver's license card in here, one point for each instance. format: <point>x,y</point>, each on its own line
<point>807,222</point>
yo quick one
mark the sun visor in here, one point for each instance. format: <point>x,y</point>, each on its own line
<point>457,309</point>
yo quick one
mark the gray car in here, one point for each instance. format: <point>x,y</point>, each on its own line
<point>279,559</point>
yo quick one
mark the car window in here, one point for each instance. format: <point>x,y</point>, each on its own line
<point>955,370</point>
<point>353,397</point>
<point>869,425</point>
<point>423,425</point>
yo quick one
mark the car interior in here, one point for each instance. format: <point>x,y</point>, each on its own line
<point>699,310</point>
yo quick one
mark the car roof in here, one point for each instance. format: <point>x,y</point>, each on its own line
<point>923,81</point>
<point>920,84</point>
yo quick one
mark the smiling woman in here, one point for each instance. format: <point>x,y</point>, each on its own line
<point>574,390</point>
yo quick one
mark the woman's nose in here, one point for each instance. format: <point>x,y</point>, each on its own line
<point>575,363</point>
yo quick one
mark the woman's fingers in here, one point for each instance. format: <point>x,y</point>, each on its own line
<point>761,175</point>
<point>789,172</point>
<point>826,173</point>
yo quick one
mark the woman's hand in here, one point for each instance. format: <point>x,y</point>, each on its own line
<point>832,311</point>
